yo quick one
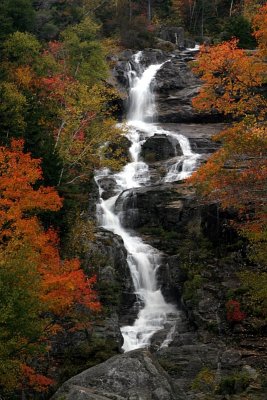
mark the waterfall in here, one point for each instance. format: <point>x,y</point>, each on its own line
<point>142,104</point>
<point>188,161</point>
<point>143,260</point>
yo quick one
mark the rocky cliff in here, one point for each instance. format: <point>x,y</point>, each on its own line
<point>204,355</point>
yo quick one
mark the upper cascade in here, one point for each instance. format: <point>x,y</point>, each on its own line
<point>142,102</point>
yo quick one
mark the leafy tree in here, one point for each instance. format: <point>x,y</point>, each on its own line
<point>236,175</point>
<point>231,80</point>
<point>13,105</point>
<point>82,52</point>
<point>16,15</point>
<point>21,48</point>
<point>260,27</point>
<point>239,27</point>
<point>36,284</point>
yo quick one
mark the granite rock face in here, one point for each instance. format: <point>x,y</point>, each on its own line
<point>135,375</point>
<point>201,255</point>
<point>175,85</point>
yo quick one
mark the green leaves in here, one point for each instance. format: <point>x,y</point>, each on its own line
<point>21,48</point>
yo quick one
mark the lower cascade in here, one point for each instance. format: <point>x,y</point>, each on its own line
<point>143,260</point>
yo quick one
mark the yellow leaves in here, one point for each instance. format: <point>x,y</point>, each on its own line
<point>23,76</point>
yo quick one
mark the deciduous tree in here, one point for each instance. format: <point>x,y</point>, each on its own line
<point>36,284</point>
<point>236,175</point>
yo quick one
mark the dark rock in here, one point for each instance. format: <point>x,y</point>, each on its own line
<point>108,185</point>
<point>166,205</point>
<point>114,280</point>
<point>160,147</point>
<point>174,35</point>
<point>153,56</point>
<point>165,45</point>
<point>175,86</point>
<point>133,375</point>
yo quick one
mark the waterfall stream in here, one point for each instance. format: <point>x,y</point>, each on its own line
<point>143,260</point>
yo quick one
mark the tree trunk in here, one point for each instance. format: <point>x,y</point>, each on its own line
<point>231,8</point>
<point>149,10</point>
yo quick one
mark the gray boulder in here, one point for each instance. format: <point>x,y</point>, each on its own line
<point>135,375</point>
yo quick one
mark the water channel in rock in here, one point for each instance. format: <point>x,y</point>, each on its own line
<point>143,260</point>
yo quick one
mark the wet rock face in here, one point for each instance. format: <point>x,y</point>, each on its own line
<point>168,206</point>
<point>134,375</point>
<point>160,147</point>
<point>175,85</point>
<point>115,284</point>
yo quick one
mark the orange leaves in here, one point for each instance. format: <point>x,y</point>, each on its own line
<point>236,176</point>
<point>260,26</point>
<point>41,283</point>
<point>63,282</point>
<point>231,79</point>
<point>19,172</point>
<point>36,381</point>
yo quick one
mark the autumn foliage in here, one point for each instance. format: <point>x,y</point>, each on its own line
<point>236,175</point>
<point>231,80</point>
<point>45,285</point>
<point>234,314</point>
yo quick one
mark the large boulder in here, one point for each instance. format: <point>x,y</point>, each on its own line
<point>135,375</point>
<point>160,147</point>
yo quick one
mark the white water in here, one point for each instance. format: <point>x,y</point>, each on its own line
<point>143,259</point>
<point>188,160</point>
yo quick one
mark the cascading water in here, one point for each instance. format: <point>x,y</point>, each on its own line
<point>188,160</point>
<point>143,260</point>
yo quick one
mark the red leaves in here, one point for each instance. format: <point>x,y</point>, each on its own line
<point>38,382</point>
<point>58,285</point>
<point>234,314</point>
<point>63,282</point>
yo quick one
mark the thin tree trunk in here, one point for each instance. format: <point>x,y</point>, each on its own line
<point>149,10</point>
<point>58,135</point>
<point>231,8</point>
<point>60,177</point>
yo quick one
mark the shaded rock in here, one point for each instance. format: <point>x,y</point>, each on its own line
<point>175,74</point>
<point>175,86</point>
<point>153,56</point>
<point>185,361</point>
<point>114,281</point>
<point>165,45</point>
<point>174,35</point>
<point>135,375</point>
<point>160,147</point>
<point>166,205</point>
<point>108,185</point>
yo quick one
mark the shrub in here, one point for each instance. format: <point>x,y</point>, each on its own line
<point>234,314</point>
